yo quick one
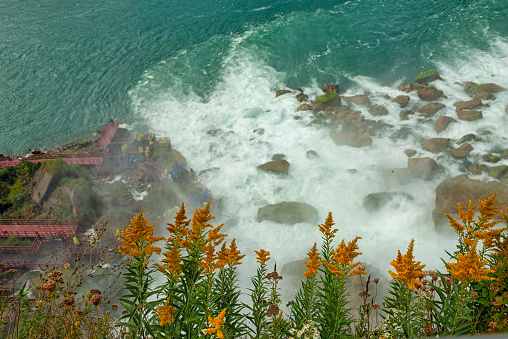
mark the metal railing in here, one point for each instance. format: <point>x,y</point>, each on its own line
<point>32,249</point>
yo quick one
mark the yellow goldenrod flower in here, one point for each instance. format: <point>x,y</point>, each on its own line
<point>488,208</point>
<point>456,226</point>
<point>223,256</point>
<point>326,228</point>
<point>333,269</point>
<point>346,254</point>
<point>470,212</point>
<point>313,263</point>
<point>234,254</point>
<point>179,229</point>
<point>216,324</point>
<point>407,268</point>
<point>138,238</point>
<point>469,267</point>
<point>208,263</point>
<point>165,313</point>
<point>263,256</point>
<point>171,264</point>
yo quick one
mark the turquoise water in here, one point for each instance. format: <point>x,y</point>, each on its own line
<point>67,66</point>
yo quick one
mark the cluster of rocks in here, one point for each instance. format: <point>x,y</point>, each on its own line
<point>351,128</point>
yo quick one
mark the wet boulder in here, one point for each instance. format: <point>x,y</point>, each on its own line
<point>469,137</point>
<point>402,100</point>
<point>404,115</point>
<point>484,96</point>
<point>467,105</point>
<point>469,115</point>
<point>430,109</point>
<point>442,123</point>
<point>427,77</point>
<point>410,152</point>
<point>461,189</point>
<point>462,152</point>
<point>281,92</point>
<point>492,158</point>
<point>430,93</point>
<point>302,97</point>
<point>361,99</point>
<point>279,166</point>
<point>472,88</point>
<point>436,145</point>
<point>288,213</point>
<point>326,101</point>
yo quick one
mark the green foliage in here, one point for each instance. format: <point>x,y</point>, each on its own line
<point>15,182</point>
<point>60,169</point>
<point>329,96</point>
<point>15,240</point>
<point>258,296</point>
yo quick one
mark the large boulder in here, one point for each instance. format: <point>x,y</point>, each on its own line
<point>288,213</point>
<point>302,97</point>
<point>326,101</point>
<point>281,92</point>
<point>361,99</point>
<point>402,100</point>
<point>469,115</point>
<point>442,123</point>
<point>436,145</point>
<point>351,139</point>
<point>428,76</point>
<point>472,88</point>
<point>376,201</point>
<point>470,104</point>
<point>462,152</point>
<point>484,96</point>
<point>461,189</point>
<point>430,93</point>
<point>430,109</point>
<point>404,115</point>
<point>280,166</point>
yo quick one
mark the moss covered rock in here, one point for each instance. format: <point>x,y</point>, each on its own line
<point>427,76</point>
<point>326,101</point>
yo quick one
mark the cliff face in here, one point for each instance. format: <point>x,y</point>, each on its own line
<point>44,185</point>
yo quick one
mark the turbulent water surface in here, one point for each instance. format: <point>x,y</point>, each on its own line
<point>205,74</point>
